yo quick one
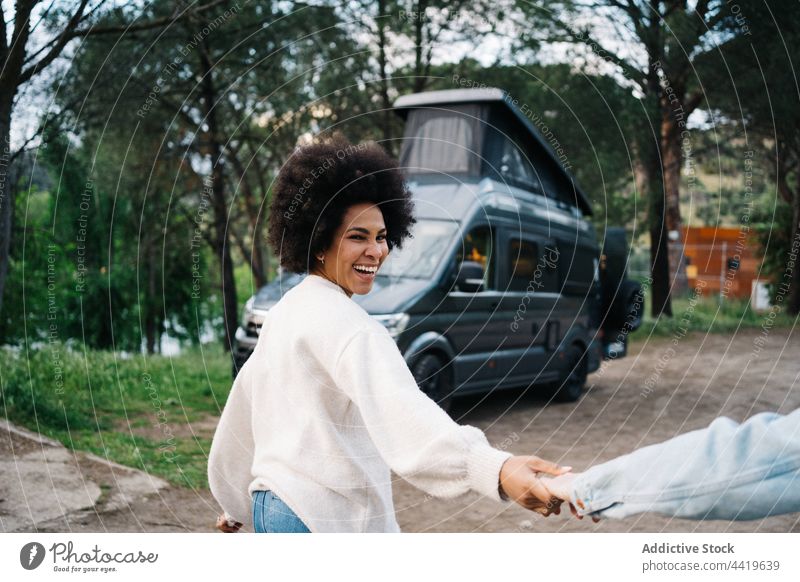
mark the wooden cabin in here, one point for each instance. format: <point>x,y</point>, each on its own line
<point>721,261</point>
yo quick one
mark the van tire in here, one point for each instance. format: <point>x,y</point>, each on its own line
<point>571,388</point>
<point>433,380</point>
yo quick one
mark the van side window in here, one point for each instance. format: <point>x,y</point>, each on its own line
<point>531,267</point>
<point>513,156</point>
<point>477,247</point>
<point>523,259</point>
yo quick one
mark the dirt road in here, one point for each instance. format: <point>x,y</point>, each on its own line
<point>660,390</point>
<point>701,378</point>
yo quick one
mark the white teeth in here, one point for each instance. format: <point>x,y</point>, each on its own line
<point>365,269</point>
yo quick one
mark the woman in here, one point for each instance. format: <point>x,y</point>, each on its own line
<point>326,404</point>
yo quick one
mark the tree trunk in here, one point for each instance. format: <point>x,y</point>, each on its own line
<point>262,206</point>
<point>6,196</point>
<point>653,168</point>
<point>223,252</point>
<point>671,156</point>
<point>386,114</point>
<point>151,311</point>
<point>659,252</point>
<point>254,258</point>
<point>793,302</point>
<point>671,160</point>
<point>257,260</point>
<point>220,232</point>
<point>419,41</point>
<point>159,325</point>
<point>150,332</point>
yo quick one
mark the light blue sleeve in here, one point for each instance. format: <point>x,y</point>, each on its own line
<point>725,471</point>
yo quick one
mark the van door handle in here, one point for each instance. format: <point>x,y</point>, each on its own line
<point>552,336</point>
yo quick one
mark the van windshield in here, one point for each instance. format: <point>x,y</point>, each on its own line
<point>421,254</point>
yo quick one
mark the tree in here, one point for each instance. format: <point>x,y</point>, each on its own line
<point>99,259</point>
<point>226,94</point>
<point>402,39</point>
<point>753,89</point>
<point>23,60</point>
<point>662,39</point>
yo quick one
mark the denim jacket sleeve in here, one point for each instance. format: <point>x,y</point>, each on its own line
<point>725,471</point>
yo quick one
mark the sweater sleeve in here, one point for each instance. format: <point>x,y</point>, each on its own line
<point>231,457</point>
<point>415,437</point>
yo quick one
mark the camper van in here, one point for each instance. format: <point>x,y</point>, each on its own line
<point>503,284</point>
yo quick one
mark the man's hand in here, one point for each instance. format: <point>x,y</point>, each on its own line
<point>519,481</point>
<point>561,486</point>
<point>227,524</point>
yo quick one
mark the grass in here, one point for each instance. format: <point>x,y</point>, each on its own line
<point>134,411</point>
<point>709,315</point>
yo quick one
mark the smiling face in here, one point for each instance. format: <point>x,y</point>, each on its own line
<point>358,250</point>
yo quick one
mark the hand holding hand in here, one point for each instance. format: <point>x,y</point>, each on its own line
<point>562,487</point>
<point>227,524</point>
<point>519,481</point>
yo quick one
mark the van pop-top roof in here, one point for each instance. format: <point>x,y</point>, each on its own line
<point>482,133</point>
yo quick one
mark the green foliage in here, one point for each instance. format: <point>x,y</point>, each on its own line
<point>76,271</point>
<point>772,223</point>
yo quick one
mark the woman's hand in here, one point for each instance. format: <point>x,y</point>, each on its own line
<point>519,481</point>
<point>562,487</point>
<point>227,524</point>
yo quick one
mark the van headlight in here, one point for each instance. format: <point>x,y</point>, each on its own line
<point>395,323</point>
<point>247,312</point>
<point>252,318</point>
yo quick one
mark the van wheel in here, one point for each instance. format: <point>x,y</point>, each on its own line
<point>433,380</point>
<point>571,388</point>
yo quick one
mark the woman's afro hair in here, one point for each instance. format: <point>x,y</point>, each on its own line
<point>317,185</point>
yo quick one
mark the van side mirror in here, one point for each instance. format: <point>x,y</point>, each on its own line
<point>470,277</point>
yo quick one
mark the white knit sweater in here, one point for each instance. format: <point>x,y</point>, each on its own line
<point>322,410</point>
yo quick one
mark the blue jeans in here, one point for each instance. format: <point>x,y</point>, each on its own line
<point>271,515</point>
